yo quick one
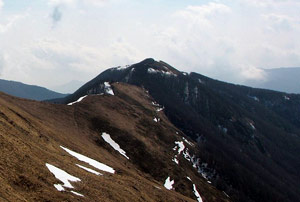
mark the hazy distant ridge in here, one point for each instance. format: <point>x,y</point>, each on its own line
<point>22,90</point>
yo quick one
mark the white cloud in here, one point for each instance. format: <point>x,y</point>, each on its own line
<point>1,4</point>
<point>228,40</point>
<point>61,2</point>
<point>279,22</point>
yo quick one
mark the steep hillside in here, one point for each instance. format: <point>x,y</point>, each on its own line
<point>131,151</point>
<point>248,139</point>
<point>28,91</point>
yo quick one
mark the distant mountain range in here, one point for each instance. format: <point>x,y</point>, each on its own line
<point>32,92</point>
<point>281,79</point>
<point>248,138</point>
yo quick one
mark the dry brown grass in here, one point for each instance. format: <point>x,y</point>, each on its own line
<point>31,133</point>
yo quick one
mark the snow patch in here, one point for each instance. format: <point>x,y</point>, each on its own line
<point>59,187</point>
<point>226,194</point>
<point>114,145</point>
<point>76,193</point>
<point>175,159</point>
<point>286,97</point>
<point>189,178</point>
<point>190,143</point>
<point>89,170</point>
<point>180,146</point>
<point>108,89</point>
<point>199,199</point>
<point>63,176</point>
<point>169,184</point>
<point>252,126</point>
<point>160,109</point>
<point>165,73</point>
<point>155,104</point>
<point>121,67</point>
<point>254,98</point>
<point>79,100</point>
<point>156,119</point>
<point>90,161</point>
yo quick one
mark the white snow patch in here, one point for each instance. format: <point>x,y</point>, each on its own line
<point>180,146</point>
<point>175,159</point>
<point>189,178</point>
<point>122,67</point>
<point>76,193</point>
<point>199,199</point>
<point>157,187</point>
<point>79,100</point>
<point>108,89</point>
<point>286,97</point>
<point>184,73</point>
<point>200,81</point>
<point>209,182</point>
<point>154,71</point>
<point>90,161</point>
<point>62,176</point>
<point>160,109</point>
<point>252,126</point>
<point>254,98</point>
<point>89,170</point>
<point>169,184</point>
<point>156,119</point>
<point>226,194</point>
<point>155,104</point>
<point>114,145</point>
<point>59,187</point>
<point>190,143</point>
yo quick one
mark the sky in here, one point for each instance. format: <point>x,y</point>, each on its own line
<point>51,42</point>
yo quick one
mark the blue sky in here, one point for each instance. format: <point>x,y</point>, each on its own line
<point>51,42</point>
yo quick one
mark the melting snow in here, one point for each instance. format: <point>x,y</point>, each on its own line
<point>199,199</point>
<point>62,176</point>
<point>59,187</point>
<point>286,97</point>
<point>252,126</point>
<point>122,67</point>
<point>159,109</point>
<point>114,145</point>
<point>175,159</point>
<point>76,193</point>
<point>180,146</point>
<point>189,178</point>
<point>154,71</point>
<point>79,100</point>
<point>226,194</point>
<point>155,104</point>
<point>254,98</point>
<point>107,88</point>
<point>90,161</point>
<point>169,184</point>
<point>190,143</point>
<point>89,170</point>
<point>156,119</point>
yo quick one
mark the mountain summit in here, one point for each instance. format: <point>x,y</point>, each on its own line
<point>248,139</point>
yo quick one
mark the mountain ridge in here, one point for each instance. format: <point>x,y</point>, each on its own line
<point>231,123</point>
